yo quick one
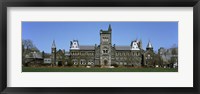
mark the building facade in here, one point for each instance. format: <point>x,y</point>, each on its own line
<point>106,53</point>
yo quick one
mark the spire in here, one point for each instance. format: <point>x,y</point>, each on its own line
<point>149,45</point>
<point>109,28</point>
<point>53,44</point>
<point>140,43</point>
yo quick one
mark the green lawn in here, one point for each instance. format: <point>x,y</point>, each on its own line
<point>68,69</point>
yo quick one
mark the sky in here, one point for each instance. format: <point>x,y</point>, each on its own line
<point>42,34</point>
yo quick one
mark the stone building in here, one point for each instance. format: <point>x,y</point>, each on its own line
<point>149,56</point>
<point>106,54</point>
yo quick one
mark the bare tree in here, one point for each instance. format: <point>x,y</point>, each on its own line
<point>174,53</point>
<point>27,48</point>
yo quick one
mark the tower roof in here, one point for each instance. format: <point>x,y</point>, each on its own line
<point>109,28</point>
<point>149,45</point>
<point>106,31</point>
<point>53,44</point>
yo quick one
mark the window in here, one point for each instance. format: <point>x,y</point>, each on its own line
<point>81,62</point>
<point>75,62</point>
<point>149,57</point>
<point>90,63</point>
<point>105,51</point>
<point>117,63</point>
<point>137,53</point>
<point>117,58</point>
<point>125,58</point>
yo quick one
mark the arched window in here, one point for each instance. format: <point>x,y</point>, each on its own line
<point>105,51</point>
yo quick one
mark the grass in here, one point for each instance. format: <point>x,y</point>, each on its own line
<point>68,69</point>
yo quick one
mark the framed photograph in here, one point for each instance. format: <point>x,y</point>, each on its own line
<point>131,46</point>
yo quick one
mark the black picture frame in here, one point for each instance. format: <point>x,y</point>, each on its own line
<point>99,3</point>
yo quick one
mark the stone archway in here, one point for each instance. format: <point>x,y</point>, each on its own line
<point>60,63</point>
<point>105,62</point>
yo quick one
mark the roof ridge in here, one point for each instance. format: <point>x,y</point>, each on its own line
<point>122,45</point>
<point>86,45</point>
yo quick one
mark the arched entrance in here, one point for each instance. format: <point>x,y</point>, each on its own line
<point>105,62</point>
<point>59,63</point>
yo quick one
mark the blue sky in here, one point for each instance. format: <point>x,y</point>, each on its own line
<point>161,34</point>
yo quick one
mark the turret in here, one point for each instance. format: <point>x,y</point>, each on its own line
<point>109,28</point>
<point>140,44</point>
<point>53,44</point>
<point>149,46</point>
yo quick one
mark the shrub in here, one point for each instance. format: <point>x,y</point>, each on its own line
<point>97,66</point>
<point>115,65</point>
<point>69,64</point>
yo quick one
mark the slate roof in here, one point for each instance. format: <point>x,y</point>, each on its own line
<point>105,31</point>
<point>34,55</point>
<point>67,53</point>
<point>123,47</point>
<point>149,45</point>
<point>86,47</point>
